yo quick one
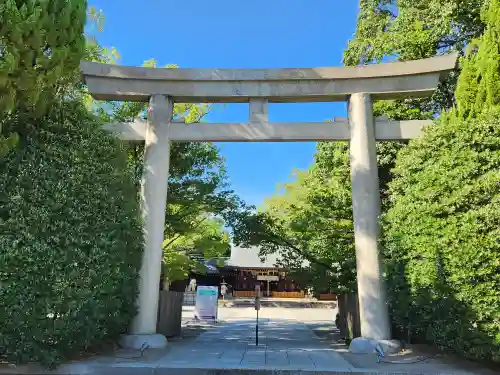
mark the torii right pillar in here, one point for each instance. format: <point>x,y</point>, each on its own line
<point>373,310</point>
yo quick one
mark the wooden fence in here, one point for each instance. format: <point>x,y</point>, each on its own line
<point>327,297</point>
<point>348,321</point>
<point>248,294</point>
<point>243,293</point>
<point>288,294</point>
<point>170,313</point>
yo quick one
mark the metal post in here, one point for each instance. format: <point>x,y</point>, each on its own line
<point>257,308</point>
<point>257,330</point>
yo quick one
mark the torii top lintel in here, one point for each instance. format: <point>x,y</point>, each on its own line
<point>416,78</point>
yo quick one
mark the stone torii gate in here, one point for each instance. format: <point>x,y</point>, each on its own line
<point>357,85</point>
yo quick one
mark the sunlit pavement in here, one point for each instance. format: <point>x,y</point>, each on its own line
<point>291,341</point>
<point>284,341</point>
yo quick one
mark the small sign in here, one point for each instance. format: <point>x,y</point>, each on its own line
<point>257,297</point>
<point>257,303</point>
<point>206,302</point>
<point>268,278</point>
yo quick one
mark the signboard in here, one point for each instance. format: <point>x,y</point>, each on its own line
<point>257,298</point>
<point>268,278</point>
<point>206,302</point>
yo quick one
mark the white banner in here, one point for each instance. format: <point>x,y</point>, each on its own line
<point>206,302</point>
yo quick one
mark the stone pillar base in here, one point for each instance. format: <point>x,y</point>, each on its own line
<point>361,345</point>
<point>142,342</point>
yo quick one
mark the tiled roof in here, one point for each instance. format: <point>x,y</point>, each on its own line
<point>249,258</point>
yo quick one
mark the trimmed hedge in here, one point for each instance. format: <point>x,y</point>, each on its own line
<point>70,238</point>
<point>442,236</point>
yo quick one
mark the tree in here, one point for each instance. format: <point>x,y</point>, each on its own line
<point>479,84</point>
<point>198,191</point>
<point>36,62</point>
<point>197,185</point>
<point>41,45</point>
<point>308,223</point>
<point>441,236</point>
<point>403,30</point>
<point>407,30</point>
<point>184,252</point>
<point>442,230</point>
<point>197,175</point>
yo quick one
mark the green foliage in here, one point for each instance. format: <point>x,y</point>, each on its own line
<point>206,239</point>
<point>197,187</point>
<point>309,223</point>
<point>41,45</point>
<point>70,237</point>
<point>310,219</point>
<point>441,236</point>
<point>409,29</point>
<point>178,266</point>
<point>197,175</point>
<point>442,230</point>
<point>479,84</point>
<point>8,143</point>
<point>404,30</point>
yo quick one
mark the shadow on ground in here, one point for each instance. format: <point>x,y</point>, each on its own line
<point>413,359</point>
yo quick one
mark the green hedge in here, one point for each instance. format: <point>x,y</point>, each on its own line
<point>442,236</point>
<point>70,238</point>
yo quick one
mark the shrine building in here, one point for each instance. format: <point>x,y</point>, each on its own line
<point>245,269</point>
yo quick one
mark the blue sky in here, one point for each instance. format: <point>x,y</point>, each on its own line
<point>239,34</point>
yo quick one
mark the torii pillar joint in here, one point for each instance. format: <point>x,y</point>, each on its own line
<point>153,199</point>
<point>374,316</point>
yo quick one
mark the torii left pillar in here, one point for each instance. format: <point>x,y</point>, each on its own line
<point>154,185</point>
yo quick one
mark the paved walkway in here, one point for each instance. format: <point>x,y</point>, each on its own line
<point>283,344</point>
<point>291,341</point>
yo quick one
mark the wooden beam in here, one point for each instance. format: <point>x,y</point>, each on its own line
<point>269,132</point>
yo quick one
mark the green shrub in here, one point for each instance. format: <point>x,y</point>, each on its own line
<point>442,236</point>
<point>41,45</point>
<point>70,238</point>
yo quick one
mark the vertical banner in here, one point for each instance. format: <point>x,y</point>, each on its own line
<point>206,302</point>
